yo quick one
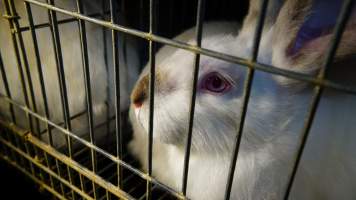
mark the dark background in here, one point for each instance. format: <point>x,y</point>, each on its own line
<point>15,185</point>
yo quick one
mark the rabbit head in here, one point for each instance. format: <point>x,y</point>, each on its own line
<point>219,88</point>
<point>216,87</point>
<point>295,37</point>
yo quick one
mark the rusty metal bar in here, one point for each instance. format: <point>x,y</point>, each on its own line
<point>44,168</point>
<point>97,149</point>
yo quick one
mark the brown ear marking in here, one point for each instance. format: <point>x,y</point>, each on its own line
<point>141,90</point>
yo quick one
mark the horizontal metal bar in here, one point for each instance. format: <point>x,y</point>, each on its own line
<point>69,162</point>
<point>88,144</point>
<point>63,21</point>
<point>36,180</point>
<point>48,165</point>
<point>44,168</point>
<point>342,20</point>
<point>207,52</point>
<point>89,174</point>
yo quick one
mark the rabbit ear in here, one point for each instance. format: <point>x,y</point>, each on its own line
<point>250,21</point>
<point>303,32</point>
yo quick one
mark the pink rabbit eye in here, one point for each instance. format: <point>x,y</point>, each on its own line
<point>214,82</point>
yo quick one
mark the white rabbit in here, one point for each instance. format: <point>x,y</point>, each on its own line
<point>275,116</point>
<point>101,73</point>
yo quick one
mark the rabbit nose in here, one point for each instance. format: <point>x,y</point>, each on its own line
<point>139,94</point>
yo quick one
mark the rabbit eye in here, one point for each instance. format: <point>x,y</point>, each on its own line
<point>215,83</point>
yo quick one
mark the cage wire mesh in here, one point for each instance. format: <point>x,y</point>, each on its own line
<point>85,167</point>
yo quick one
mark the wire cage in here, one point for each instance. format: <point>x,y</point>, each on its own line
<point>82,169</point>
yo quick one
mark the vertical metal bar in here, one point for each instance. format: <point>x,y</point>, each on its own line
<point>246,97</point>
<point>16,27</point>
<point>107,194</point>
<point>7,88</point>
<point>199,33</point>
<point>86,70</point>
<point>49,167</point>
<point>115,51</point>
<point>152,62</point>
<point>108,124</point>
<point>142,27</point>
<point>60,69</point>
<point>11,15</point>
<point>82,185</point>
<point>60,174</point>
<point>259,30</point>
<point>17,144</point>
<point>7,138</point>
<point>39,69</point>
<point>27,151</point>
<point>3,149</point>
<point>62,82</point>
<point>123,44</point>
<point>15,158</point>
<point>28,76</point>
<point>17,56</point>
<point>344,15</point>
<point>5,152</point>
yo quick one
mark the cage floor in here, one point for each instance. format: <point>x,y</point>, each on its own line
<point>57,177</point>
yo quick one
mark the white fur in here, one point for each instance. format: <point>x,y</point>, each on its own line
<point>102,85</point>
<point>271,135</point>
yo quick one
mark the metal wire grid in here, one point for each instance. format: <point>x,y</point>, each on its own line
<point>43,164</point>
